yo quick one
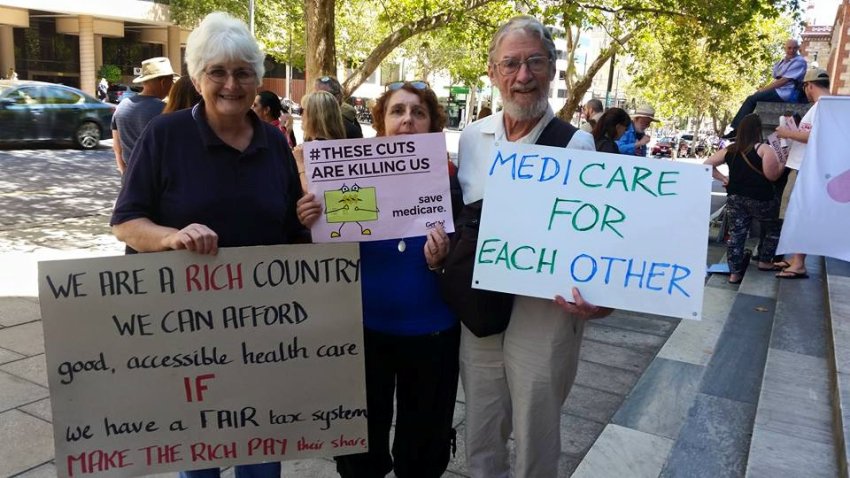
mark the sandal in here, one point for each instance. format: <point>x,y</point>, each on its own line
<point>786,274</point>
<point>782,264</point>
<point>772,268</point>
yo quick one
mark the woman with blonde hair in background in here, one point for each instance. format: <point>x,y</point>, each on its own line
<point>321,119</point>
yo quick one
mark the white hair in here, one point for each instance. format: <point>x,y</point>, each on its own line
<point>222,38</point>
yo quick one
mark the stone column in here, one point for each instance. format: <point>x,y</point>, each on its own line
<point>98,53</point>
<point>172,49</point>
<point>7,50</point>
<point>88,81</point>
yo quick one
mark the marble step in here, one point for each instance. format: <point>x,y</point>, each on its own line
<point>838,340</point>
<point>793,433</point>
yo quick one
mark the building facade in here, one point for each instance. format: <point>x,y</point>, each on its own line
<point>814,46</point>
<point>68,41</point>
<point>838,65</point>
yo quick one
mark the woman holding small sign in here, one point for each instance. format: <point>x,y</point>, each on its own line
<point>182,190</point>
<point>753,168</point>
<point>411,338</point>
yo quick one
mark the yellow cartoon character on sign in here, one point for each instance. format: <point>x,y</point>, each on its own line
<point>351,204</point>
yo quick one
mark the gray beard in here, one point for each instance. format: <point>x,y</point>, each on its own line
<point>521,113</point>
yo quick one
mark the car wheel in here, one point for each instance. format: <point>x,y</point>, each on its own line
<point>87,135</point>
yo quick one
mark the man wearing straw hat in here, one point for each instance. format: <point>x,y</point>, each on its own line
<point>135,112</point>
<point>635,139</point>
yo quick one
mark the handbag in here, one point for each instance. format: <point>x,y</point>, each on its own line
<point>483,312</point>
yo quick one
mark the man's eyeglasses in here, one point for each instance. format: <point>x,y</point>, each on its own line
<point>510,66</point>
<point>418,84</point>
<point>243,76</point>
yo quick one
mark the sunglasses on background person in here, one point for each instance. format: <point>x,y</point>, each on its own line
<point>418,84</point>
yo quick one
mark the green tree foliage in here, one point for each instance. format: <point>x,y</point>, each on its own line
<point>677,22</point>
<point>691,77</point>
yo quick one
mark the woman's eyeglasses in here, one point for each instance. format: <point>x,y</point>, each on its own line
<point>418,84</point>
<point>510,66</point>
<point>243,76</point>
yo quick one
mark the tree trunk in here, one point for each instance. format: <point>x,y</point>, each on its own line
<point>321,51</point>
<point>580,87</point>
<point>396,38</point>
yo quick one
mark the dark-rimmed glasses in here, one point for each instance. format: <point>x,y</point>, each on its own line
<point>418,84</point>
<point>535,64</point>
<point>243,76</point>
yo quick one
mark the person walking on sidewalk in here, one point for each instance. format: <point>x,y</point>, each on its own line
<point>517,380</point>
<point>815,85</point>
<point>134,113</point>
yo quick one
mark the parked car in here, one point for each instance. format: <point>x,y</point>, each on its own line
<point>663,147</point>
<point>117,92</point>
<point>37,111</point>
<point>688,148</point>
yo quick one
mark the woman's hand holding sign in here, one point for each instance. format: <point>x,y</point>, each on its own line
<point>581,308</point>
<point>436,247</point>
<point>308,209</point>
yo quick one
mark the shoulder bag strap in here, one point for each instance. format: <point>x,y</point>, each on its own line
<point>557,133</point>
<point>747,160</point>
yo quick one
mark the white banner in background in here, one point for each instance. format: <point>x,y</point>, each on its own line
<point>818,217</point>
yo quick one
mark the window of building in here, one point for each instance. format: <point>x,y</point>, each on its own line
<point>562,93</point>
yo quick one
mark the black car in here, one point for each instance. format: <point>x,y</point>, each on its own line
<point>117,92</point>
<point>36,111</point>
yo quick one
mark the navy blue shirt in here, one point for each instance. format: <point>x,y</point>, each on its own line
<point>181,173</point>
<point>400,295</point>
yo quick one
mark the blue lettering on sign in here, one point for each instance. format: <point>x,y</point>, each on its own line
<point>631,273</point>
<point>532,167</point>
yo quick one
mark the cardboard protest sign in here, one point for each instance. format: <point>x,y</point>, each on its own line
<point>177,361</point>
<point>779,148</point>
<point>379,188</point>
<point>629,233</point>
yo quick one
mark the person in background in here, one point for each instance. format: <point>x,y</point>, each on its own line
<point>320,120</point>
<point>349,114</point>
<point>610,126</point>
<point>102,88</point>
<point>635,139</point>
<point>411,337</point>
<point>750,195</point>
<point>267,107</point>
<point>135,112</point>
<point>183,95</point>
<point>485,112</point>
<point>787,74</point>
<point>288,122</point>
<point>816,86</point>
<point>180,190</point>
<point>516,382</point>
<point>592,112</point>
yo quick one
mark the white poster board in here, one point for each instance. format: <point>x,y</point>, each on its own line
<point>177,361</point>
<point>379,188</point>
<point>818,217</point>
<point>630,233</point>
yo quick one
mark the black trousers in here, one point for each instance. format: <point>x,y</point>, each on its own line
<point>422,372</point>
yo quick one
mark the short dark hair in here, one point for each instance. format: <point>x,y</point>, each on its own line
<point>270,100</point>
<point>426,96</point>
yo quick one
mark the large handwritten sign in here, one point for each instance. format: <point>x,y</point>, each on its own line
<point>379,188</point>
<point>176,361</point>
<point>630,233</point>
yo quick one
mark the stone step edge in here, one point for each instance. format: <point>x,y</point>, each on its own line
<point>840,383</point>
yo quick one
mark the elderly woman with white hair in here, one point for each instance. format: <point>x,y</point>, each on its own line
<point>214,175</point>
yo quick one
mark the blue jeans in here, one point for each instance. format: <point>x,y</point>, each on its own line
<point>261,470</point>
<point>769,96</point>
